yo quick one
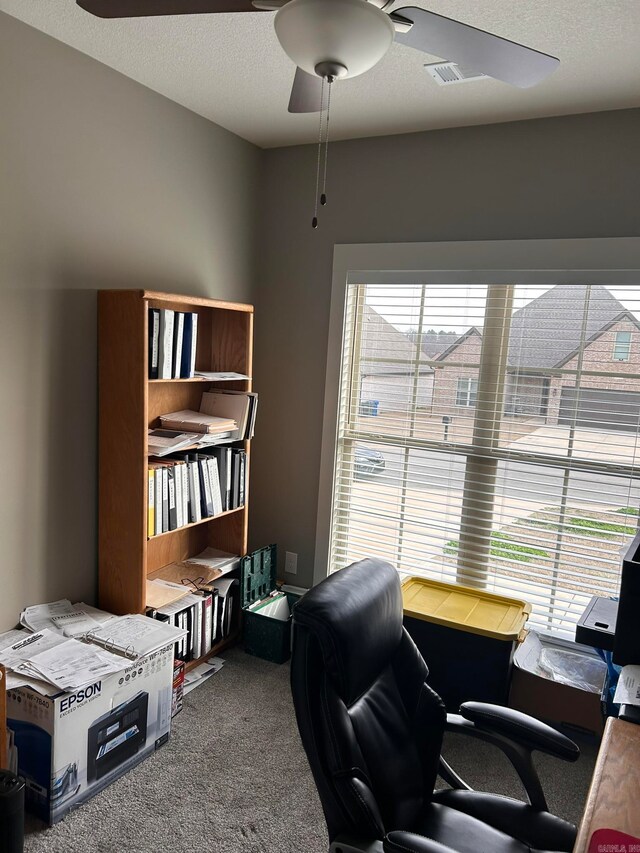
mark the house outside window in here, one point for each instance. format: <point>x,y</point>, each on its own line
<point>466,392</point>
<point>506,434</point>
<point>622,347</point>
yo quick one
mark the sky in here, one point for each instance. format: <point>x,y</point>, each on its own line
<point>455,308</point>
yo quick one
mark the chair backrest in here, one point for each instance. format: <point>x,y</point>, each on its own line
<point>371,727</point>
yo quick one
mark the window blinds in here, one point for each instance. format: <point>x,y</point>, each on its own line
<point>489,435</point>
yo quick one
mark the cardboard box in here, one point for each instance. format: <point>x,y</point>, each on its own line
<point>537,694</point>
<point>72,745</point>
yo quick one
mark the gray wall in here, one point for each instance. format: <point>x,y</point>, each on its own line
<point>563,177</point>
<point>103,183</point>
<point>106,184</point>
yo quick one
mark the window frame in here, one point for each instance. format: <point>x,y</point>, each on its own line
<point>627,344</point>
<point>470,394</point>
<point>607,261</point>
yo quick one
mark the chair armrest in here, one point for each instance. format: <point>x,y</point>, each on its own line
<point>517,735</point>
<point>520,727</point>
<point>409,842</point>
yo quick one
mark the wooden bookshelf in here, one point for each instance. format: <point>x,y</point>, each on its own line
<point>129,404</point>
<point>3,719</point>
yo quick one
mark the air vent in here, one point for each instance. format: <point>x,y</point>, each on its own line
<point>446,73</point>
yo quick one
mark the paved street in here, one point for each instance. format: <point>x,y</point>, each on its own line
<point>432,471</point>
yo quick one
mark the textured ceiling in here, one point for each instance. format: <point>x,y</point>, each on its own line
<point>230,68</point>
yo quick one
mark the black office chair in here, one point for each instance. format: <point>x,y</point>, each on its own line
<point>372,729</point>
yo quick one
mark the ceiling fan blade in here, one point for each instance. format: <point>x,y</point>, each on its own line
<point>306,93</point>
<point>149,8</point>
<point>475,49</point>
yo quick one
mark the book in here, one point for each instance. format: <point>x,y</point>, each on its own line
<point>195,500</point>
<point>252,412</point>
<point>133,635</point>
<point>178,333</point>
<point>180,516</point>
<point>154,341</point>
<point>223,458</point>
<point>171,486</point>
<point>199,422</point>
<point>196,627</point>
<point>235,480</point>
<point>207,624</point>
<point>228,593</point>
<point>214,479</point>
<point>205,487</point>
<point>189,346</point>
<point>215,605</point>
<point>165,355</point>
<point>242,476</point>
<point>156,467</point>
<point>234,407</point>
<point>186,499</point>
<point>165,498</point>
<point>151,503</point>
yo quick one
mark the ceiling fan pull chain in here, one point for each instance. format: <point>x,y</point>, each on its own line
<point>314,221</point>
<point>323,197</point>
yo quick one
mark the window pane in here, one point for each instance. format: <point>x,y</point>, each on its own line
<point>536,482</point>
<point>622,347</point>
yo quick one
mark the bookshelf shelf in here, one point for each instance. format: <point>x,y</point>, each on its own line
<point>129,404</point>
<point>196,523</point>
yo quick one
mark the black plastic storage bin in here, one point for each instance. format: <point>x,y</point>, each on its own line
<point>264,636</point>
<point>467,638</point>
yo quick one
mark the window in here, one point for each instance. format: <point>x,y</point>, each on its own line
<point>622,348</point>
<point>466,392</point>
<point>505,439</point>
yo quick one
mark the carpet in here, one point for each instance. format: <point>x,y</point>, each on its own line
<point>234,779</point>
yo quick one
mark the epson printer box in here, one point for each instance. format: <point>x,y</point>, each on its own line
<point>72,745</point>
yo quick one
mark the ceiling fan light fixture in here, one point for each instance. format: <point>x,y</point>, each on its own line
<point>353,34</point>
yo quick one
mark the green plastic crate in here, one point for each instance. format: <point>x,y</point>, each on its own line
<point>264,636</point>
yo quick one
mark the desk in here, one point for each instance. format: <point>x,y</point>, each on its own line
<point>612,801</point>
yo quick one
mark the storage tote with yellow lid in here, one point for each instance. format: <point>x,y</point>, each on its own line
<point>467,637</point>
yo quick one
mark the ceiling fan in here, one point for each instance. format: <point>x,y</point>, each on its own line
<point>334,39</point>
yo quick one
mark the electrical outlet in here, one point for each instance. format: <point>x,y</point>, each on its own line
<point>290,563</point>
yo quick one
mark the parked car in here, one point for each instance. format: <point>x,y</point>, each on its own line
<point>368,462</point>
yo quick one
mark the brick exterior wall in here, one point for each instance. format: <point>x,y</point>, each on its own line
<point>445,381</point>
<point>525,394</point>
<point>599,356</point>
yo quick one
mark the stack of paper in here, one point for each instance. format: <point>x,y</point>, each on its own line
<point>628,689</point>
<point>276,606</point>
<point>217,562</point>
<point>161,592</point>
<point>202,569</point>
<point>163,441</point>
<point>198,675</point>
<point>66,664</point>
<point>47,654</point>
<point>190,421</point>
<point>71,620</point>
<point>220,376</point>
